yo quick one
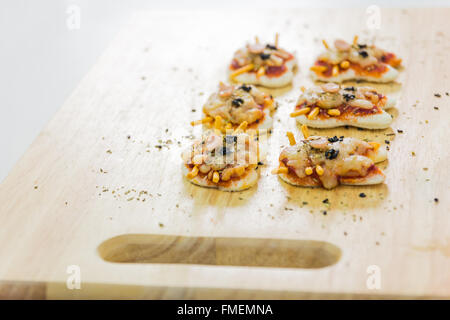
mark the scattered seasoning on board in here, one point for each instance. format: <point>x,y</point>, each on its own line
<point>108,151</point>
<point>413,153</point>
<point>161,225</point>
<point>324,213</point>
<point>362,195</point>
<point>436,200</point>
<point>35,187</point>
<point>326,201</point>
<point>399,131</point>
<point>437,95</point>
<point>387,142</point>
<point>436,108</point>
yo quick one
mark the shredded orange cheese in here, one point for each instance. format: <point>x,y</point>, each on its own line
<point>280,170</point>
<point>268,102</point>
<point>300,112</point>
<point>335,71</point>
<point>244,69</point>
<point>334,112</point>
<point>305,131</point>
<point>241,127</point>
<point>313,113</point>
<point>216,177</point>
<point>308,171</point>
<point>291,138</point>
<point>318,68</point>
<point>345,64</point>
<point>239,170</point>
<point>193,173</point>
<point>261,72</point>
<point>218,123</point>
<point>202,121</point>
<point>319,170</point>
<point>375,145</point>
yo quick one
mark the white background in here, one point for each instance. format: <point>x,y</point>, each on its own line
<point>41,60</point>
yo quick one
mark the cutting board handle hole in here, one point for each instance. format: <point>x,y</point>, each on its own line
<point>249,252</point>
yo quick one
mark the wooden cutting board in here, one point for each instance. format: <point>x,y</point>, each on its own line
<point>101,187</point>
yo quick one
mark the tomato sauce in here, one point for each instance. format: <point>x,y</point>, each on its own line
<point>276,71</point>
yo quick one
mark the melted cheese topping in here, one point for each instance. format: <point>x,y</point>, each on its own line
<point>361,54</point>
<point>363,59</point>
<point>335,157</point>
<point>271,58</point>
<point>338,102</point>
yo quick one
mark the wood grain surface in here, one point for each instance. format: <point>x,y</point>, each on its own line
<point>101,187</point>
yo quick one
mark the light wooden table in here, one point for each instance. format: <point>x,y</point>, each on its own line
<point>79,183</point>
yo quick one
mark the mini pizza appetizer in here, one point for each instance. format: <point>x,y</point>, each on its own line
<point>327,162</point>
<point>263,64</point>
<point>238,106</point>
<point>355,62</point>
<point>330,105</point>
<point>224,162</point>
